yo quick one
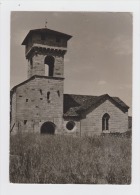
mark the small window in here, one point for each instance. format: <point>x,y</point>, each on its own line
<point>70,125</point>
<point>26,100</point>
<point>31,62</point>
<point>25,121</point>
<point>40,91</point>
<point>58,92</point>
<point>48,95</point>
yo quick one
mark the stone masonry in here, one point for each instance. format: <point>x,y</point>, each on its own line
<point>39,104</point>
<point>34,102</point>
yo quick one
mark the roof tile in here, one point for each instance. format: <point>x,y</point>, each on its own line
<point>75,105</point>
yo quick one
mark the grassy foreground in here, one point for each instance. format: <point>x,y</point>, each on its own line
<point>64,159</point>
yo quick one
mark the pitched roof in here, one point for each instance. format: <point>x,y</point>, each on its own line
<point>47,31</point>
<point>32,78</point>
<point>75,105</point>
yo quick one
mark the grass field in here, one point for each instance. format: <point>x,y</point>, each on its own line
<point>59,159</point>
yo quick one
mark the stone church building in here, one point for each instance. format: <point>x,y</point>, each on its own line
<point>39,104</point>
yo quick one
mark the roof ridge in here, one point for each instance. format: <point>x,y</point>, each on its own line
<point>81,95</point>
<point>47,31</point>
<point>84,106</point>
<point>33,77</point>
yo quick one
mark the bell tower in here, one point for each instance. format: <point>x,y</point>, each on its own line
<point>39,99</point>
<point>45,50</point>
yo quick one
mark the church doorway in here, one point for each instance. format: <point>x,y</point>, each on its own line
<point>48,128</point>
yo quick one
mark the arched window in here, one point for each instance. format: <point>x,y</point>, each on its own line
<point>105,122</point>
<point>49,65</point>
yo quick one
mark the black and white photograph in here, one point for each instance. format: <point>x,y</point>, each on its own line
<point>71,97</point>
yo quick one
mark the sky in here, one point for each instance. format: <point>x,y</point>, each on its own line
<point>99,56</point>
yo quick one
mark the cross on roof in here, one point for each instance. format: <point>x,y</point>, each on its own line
<point>46,23</point>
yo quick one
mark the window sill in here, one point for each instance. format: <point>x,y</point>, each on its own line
<point>106,131</point>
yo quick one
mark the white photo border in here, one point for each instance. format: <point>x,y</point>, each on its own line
<point>6,7</point>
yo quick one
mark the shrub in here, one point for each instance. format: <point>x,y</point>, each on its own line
<point>65,159</point>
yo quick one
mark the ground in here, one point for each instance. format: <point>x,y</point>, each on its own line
<point>59,159</point>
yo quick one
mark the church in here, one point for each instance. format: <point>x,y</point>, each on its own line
<point>39,104</point>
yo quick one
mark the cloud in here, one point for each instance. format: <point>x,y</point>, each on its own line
<point>102,82</point>
<point>125,86</point>
<point>121,45</point>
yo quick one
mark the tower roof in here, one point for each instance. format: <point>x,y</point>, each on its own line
<point>47,31</point>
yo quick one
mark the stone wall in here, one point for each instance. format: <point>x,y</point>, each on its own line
<point>31,107</point>
<point>92,123</point>
<point>118,121</point>
<point>38,66</point>
<point>38,101</point>
<point>13,112</point>
<point>75,131</point>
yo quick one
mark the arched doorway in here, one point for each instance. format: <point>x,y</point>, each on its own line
<point>48,128</point>
<point>105,122</point>
<point>49,65</point>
